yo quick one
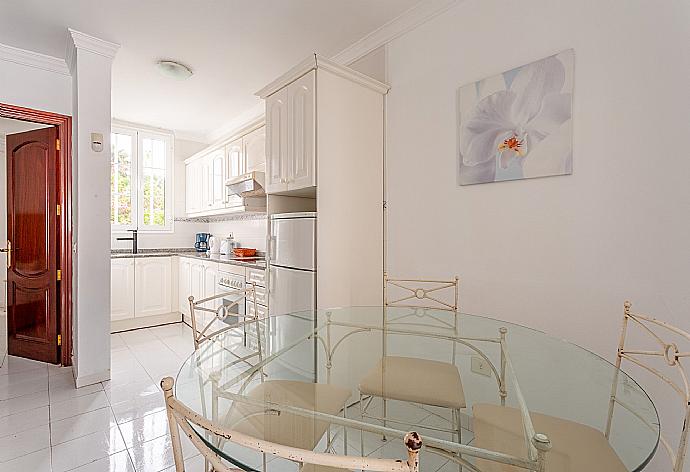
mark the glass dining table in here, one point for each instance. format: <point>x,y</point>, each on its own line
<point>305,380</point>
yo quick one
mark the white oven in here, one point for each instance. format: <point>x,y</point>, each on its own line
<point>229,282</point>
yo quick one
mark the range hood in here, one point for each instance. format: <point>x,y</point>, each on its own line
<point>250,184</point>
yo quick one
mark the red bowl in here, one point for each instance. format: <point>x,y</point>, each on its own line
<point>244,252</point>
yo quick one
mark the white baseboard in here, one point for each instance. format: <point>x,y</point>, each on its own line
<point>144,322</point>
<point>85,380</point>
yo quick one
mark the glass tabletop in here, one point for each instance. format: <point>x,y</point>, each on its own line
<point>317,380</point>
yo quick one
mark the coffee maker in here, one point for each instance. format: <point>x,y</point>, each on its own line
<point>201,244</point>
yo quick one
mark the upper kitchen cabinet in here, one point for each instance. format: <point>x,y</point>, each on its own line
<point>316,93</point>
<point>290,128</point>
<point>331,148</point>
<point>208,171</point>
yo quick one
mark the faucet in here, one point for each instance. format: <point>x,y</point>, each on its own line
<point>133,239</point>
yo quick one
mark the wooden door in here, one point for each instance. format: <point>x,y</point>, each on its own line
<point>276,141</point>
<point>32,315</point>
<point>301,126</point>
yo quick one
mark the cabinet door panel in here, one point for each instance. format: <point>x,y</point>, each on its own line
<point>254,144</point>
<point>153,286</point>
<point>121,289</point>
<point>184,285</point>
<point>301,106</point>
<point>217,175</point>
<point>235,167</point>
<point>276,141</point>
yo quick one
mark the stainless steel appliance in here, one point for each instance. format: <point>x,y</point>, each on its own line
<point>292,282</point>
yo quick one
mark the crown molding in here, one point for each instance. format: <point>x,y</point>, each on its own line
<point>93,44</point>
<point>407,21</point>
<point>33,59</point>
<point>241,124</point>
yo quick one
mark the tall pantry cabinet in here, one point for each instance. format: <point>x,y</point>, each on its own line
<point>325,141</point>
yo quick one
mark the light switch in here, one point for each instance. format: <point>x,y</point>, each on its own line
<point>97,142</point>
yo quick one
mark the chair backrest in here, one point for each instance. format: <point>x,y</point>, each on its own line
<point>182,417</point>
<point>205,328</point>
<point>414,293</point>
<point>672,358</point>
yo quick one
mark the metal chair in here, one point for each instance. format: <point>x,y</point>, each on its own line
<point>182,417</point>
<point>667,352</point>
<point>219,314</point>
<point>436,383</point>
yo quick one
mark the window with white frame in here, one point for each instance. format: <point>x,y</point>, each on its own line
<point>141,180</point>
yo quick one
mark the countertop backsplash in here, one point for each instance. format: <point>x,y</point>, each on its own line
<point>250,233</point>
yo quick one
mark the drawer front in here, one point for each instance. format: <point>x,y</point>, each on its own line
<point>261,296</point>
<point>257,276</point>
<point>260,309</point>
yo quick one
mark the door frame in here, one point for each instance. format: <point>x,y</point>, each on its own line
<point>64,198</point>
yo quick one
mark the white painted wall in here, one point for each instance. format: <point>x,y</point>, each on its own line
<point>91,69</point>
<point>183,234</point>
<point>35,88</point>
<point>560,254</point>
<point>250,233</point>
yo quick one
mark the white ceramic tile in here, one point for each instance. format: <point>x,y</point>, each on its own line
<point>118,462</point>
<point>25,442</point>
<point>138,407</point>
<point>63,393</point>
<point>116,343</point>
<point>156,455</point>
<point>81,425</point>
<point>19,388</point>
<point>172,330</point>
<point>25,420</point>
<point>13,365</point>
<point>23,376</point>
<point>77,406</point>
<point>87,449</point>
<point>123,377</point>
<point>195,464</point>
<point>59,370</point>
<point>137,336</point>
<point>130,391</point>
<point>144,429</point>
<point>38,461</point>
<point>23,403</point>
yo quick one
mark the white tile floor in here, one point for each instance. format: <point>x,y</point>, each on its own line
<point>120,425</point>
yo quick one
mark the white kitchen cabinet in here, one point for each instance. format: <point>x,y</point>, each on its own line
<point>290,136</point>
<point>277,141</point>
<point>121,289</point>
<point>216,167</point>
<point>210,283</point>
<point>153,286</point>
<point>254,146</point>
<point>235,167</point>
<point>194,187</point>
<point>301,127</point>
<point>184,284</point>
<point>197,279</point>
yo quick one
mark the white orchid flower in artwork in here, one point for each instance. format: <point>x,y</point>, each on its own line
<point>513,125</point>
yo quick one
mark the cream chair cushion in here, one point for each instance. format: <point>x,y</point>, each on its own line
<point>575,447</point>
<point>415,380</point>
<point>288,428</point>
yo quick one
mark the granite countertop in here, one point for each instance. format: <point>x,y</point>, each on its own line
<point>252,262</point>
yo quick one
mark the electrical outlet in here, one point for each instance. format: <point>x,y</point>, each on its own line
<point>480,366</point>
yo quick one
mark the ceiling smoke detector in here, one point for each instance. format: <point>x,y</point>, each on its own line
<point>174,70</point>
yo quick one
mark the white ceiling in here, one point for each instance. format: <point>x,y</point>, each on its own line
<point>234,47</point>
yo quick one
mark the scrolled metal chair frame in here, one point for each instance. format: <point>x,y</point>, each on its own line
<point>673,357</point>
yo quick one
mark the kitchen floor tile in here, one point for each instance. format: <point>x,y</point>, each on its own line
<point>78,405</point>
<point>156,455</point>
<point>195,464</point>
<point>128,392</point>
<point>18,422</point>
<point>81,425</point>
<point>138,407</point>
<point>118,462</point>
<point>38,461</point>
<point>13,365</point>
<point>64,392</point>
<point>87,449</point>
<point>19,388</point>
<point>144,429</point>
<point>23,403</point>
<point>25,442</point>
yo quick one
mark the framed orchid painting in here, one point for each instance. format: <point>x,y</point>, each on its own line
<point>518,124</point>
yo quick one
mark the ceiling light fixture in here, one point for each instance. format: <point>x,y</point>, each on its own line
<point>174,70</point>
